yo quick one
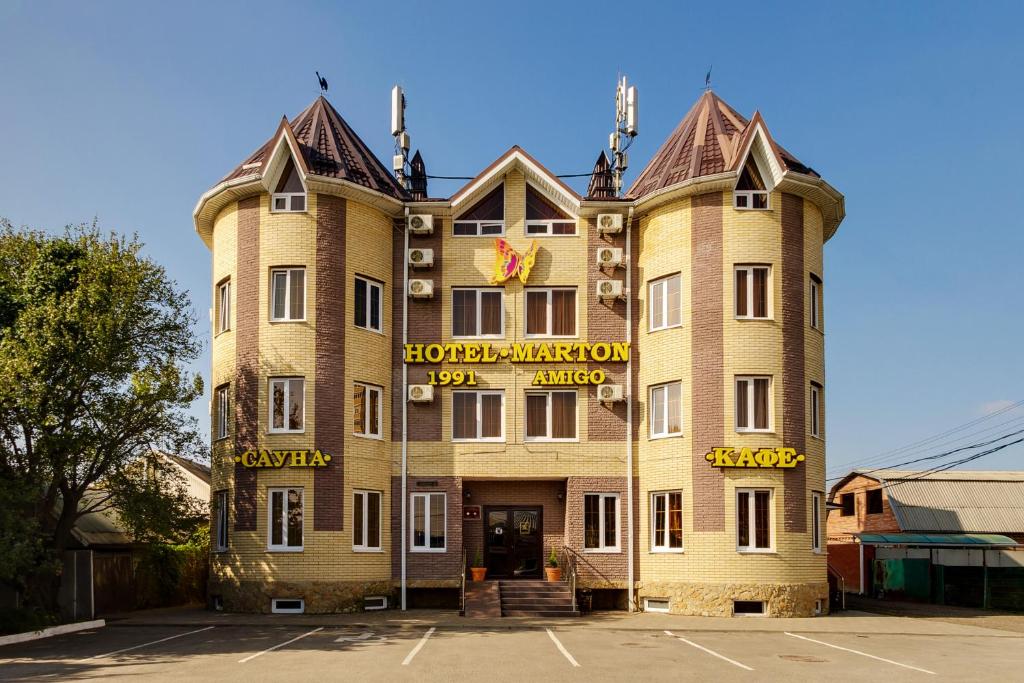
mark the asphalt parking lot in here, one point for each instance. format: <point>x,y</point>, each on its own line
<point>655,647</point>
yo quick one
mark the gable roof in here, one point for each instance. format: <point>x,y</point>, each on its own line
<point>516,157</point>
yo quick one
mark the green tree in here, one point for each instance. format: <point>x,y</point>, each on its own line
<point>94,342</point>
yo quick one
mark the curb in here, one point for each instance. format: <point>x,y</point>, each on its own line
<point>51,631</point>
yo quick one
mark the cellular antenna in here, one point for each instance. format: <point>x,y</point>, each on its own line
<point>401,159</point>
<point>627,127</point>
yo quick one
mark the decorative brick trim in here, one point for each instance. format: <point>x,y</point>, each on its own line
<point>247,353</point>
<point>794,379</point>
<point>331,282</point>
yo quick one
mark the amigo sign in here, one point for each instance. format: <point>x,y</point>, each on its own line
<point>277,459</point>
<point>771,458</point>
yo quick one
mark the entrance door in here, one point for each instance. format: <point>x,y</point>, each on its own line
<point>513,542</point>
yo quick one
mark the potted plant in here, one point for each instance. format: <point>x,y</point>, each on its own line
<point>552,570</point>
<point>477,570</point>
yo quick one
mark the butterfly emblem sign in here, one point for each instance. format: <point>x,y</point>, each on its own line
<point>508,262</point>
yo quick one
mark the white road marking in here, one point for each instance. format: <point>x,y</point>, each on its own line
<point>710,652</point>
<point>858,652</point>
<point>276,647</point>
<point>366,636</point>
<point>419,646</point>
<point>561,648</point>
<point>154,642</point>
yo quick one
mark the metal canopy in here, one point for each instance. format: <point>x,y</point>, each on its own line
<point>946,540</point>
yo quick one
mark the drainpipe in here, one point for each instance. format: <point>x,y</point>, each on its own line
<point>861,544</point>
<point>629,408</point>
<point>405,396</point>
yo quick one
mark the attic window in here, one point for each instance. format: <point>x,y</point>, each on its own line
<point>544,218</point>
<point>486,217</point>
<point>751,192</point>
<point>290,195</point>
<point>874,502</point>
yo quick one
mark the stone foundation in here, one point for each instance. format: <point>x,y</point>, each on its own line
<point>322,597</point>
<point>715,600</point>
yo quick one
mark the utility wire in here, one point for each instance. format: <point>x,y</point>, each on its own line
<point>471,177</point>
<point>948,466</point>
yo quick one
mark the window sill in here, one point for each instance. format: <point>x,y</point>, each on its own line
<point>530,439</point>
<point>279,432</point>
<point>369,437</point>
<point>817,438</point>
<point>219,551</point>
<point>818,330</point>
<point>748,319</point>
<point>551,336</point>
<point>755,431</point>
<point>428,551</point>
<point>661,437</point>
<point>221,438</point>
<point>485,337</point>
<point>369,329</point>
<point>652,330</point>
<point>368,550</point>
<point>501,440</point>
<point>765,551</point>
<point>548,234</point>
<point>285,550</point>
<point>751,208</point>
<point>217,334</point>
<point>490,234</point>
<point>667,551</point>
<point>602,551</point>
<point>276,321</point>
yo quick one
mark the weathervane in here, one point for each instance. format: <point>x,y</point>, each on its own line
<point>707,78</point>
<point>323,82</point>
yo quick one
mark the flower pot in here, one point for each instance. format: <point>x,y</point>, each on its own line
<point>478,573</point>
<point>553,573</point>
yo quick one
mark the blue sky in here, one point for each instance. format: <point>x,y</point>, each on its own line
<point>128,111</point>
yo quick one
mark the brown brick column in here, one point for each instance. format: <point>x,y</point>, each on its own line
<point>794,380</point>
<point>329,381</point>
<point>247,345</point>
<point>606,321</point>
<point>708,393</point>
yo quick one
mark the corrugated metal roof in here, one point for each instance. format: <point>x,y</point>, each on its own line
<point>936,539</point>
<point>956,501</point>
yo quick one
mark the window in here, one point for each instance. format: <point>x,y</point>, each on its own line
<point>551,416</point>
<point>874,501</point>
<point>544,218</point>
<point>847,502</point>
<point>666,410</point>
<point>285,524</point>
<point>486,217</point>
<point>369,300</point>
<point>753,404</point>
<point>753,520</point>
<point>478,416</point>
<point>666,302</point>
<point>220,430</point>
<point>815,410</point>
<point>750,192</point>
<point>223,311</point>
<point>815,302</point>
<point>601,522</point>
<point>550,227</point>
<point>667,521</point>
<point>366,520</point>
<point>429,517</point>
<point>816,522</point>
<point>290,195</point>
<point>752,289</point>
<point>220,539</point>
<point>287,606</point>
<point>288,294</point>
<point>287,404</point>
<point>366,409</point>
<point>551,312</point>
<point>473,228</point>
<point>478,313</point>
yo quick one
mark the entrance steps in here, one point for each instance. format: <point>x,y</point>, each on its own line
<point>482,599</point>
<point>522,598</point>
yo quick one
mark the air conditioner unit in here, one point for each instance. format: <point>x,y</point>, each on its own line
<point>421,393</point>
<point>609,223</point>
<point>421,223</point>
<point>609,257</point>
<point>421,289</point>
<point>609,393</point>
<point>609,289</point>
<point>421,258</point>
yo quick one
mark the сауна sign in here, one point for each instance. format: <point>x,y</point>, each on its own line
<point>277,459</point>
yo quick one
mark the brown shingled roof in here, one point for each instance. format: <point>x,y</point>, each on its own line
<point>707,141</point>
<point>330,148</point>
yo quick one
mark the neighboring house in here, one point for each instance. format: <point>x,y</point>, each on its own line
<point>952,536</point>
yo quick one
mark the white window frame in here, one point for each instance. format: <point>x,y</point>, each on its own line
<point>815,301</point>
<point>220,540</point>
<point>815,400</point>
<point>662,545</point>
<point>662,282</point>
<point>816,522</point>
<point>274,609</point>
<point>548,225</point>
<point>426,522</point>
<point>547,291</point>
<point>222,406</point>
<point>365,504</point>
<point>289,199</point>
<point>224,306</point>
<point>665,415</point>
<point>287,404</point>
<point>479,312</point>
<point>602,523</point>
<point>749,195</point>
<point>750,404</point>
<point>284,547</point>
<point>479,228</point>
<point>479,394</point>
<point>369,389</point>
<point>370,285</point>
<point>752,521</point>
<point>550,403</point>
<point>769,299</point>
<point>287,295</point>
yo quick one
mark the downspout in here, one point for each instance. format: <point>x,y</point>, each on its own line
<point>405,398</point>
<point>861,544</point>
<point>629,409</point>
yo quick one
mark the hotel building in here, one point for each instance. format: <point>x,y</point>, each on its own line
<point>403,384</point>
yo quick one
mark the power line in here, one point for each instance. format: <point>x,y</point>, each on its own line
<point>948,466</point>
<point>471,177</point>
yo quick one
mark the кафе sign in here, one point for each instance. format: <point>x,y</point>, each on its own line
<point>751,458</point>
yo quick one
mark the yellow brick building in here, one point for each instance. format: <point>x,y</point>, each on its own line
<point>408,386</point>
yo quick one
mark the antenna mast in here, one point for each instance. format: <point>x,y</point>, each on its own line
<point>400,160</point>
<point>627,112</point>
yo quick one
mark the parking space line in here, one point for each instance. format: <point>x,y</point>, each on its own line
<point>419,646</point>
<point>710,652</point>
<point>858,652</point>
<point>279,646</point>
<point>561,648</point>
<point>153,642</point>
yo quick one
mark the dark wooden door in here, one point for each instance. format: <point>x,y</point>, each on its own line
<point>113,583</point>
<point>513,542</point>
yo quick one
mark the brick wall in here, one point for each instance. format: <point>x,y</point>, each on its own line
<point>595,568</point>
<point>247,357</point>
<point>606,321</point>
<point>794,380</point>
<point>841,527</point>
<point>540,493</point>
<point>420,566</point>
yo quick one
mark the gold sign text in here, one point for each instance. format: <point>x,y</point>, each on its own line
<point>483,352</point>
<point>784,458</point>
<point>278,459</point>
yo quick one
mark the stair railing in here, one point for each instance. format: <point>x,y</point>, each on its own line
<point>568,562</point>
<point>462,589</point>
<point>842,584</point>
